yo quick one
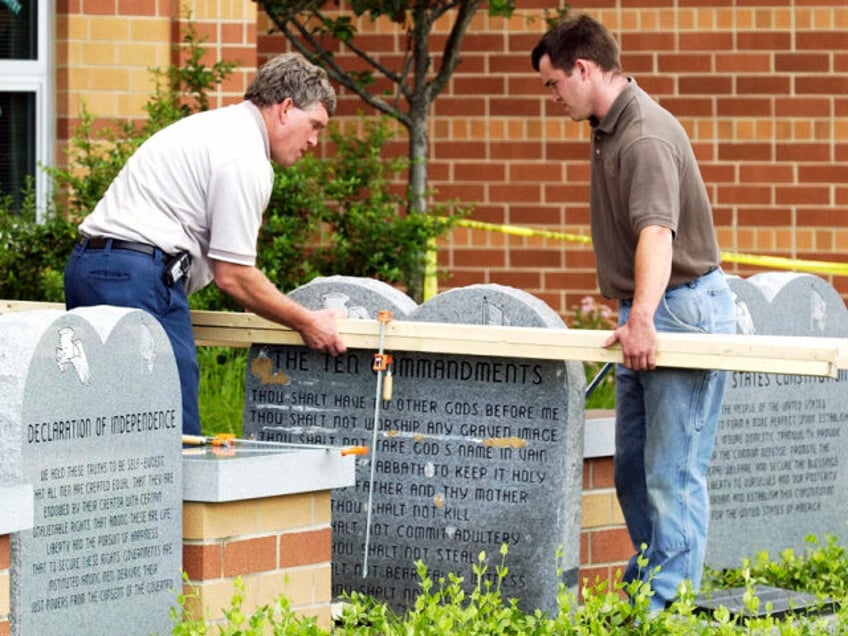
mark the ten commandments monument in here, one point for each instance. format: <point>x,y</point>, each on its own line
<point>471,453</point>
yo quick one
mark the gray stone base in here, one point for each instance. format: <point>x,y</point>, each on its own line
<point>774,601</point>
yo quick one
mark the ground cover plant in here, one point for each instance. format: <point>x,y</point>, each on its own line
<point>446,606</point>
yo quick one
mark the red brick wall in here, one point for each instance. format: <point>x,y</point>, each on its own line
<point>605,545</point>
<point>5,582</point>
<point>761,87</point>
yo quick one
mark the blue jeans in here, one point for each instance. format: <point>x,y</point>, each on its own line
<point>666,423</point>
<point>131,279</point>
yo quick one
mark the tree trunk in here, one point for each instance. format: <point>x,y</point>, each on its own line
<point>418,148</point>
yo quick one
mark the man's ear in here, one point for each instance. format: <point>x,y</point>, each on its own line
<point>284,107</point>
<point>582,67</point>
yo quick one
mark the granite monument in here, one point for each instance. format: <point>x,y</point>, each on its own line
<point>90,415</point>
<point>779,471</point>
<point>471,453</point>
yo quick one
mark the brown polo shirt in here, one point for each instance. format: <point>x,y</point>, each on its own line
<point>644,173</point>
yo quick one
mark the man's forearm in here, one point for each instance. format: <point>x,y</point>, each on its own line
<point>652,271</point>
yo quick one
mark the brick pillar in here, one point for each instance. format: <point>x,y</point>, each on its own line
<point>279,546</point>
<point>4,584</point>
<point>604,543</point>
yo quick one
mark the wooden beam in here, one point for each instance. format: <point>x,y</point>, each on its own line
<point>7,306</point>
<point>767,354</point>
<point>794,355</point>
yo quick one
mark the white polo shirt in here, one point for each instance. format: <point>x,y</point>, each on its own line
<point>199,185</point>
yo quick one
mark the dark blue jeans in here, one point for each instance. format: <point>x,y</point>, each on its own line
<point>125,278</point>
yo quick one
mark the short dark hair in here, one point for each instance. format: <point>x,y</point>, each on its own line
<point>577,37</point>
<point>291,75</point>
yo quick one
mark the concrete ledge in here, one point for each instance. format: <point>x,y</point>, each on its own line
<point>215,476</point>
<point>16,513</point>
<point>599,434</point>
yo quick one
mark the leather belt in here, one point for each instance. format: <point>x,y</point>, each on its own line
<point>706,273</point>
<point>99,243</point>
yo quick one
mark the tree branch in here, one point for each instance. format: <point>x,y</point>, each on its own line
<point>422,25</point>
<point>451,52</point>
<point>320,55</point>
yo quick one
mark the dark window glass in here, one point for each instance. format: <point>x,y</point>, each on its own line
<point>18,29</point>
<point>17,137</point>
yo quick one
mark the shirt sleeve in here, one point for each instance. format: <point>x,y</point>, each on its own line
<point>651,176</point>
<point>238,195</point>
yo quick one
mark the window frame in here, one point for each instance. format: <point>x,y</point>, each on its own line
<point>35,76</point>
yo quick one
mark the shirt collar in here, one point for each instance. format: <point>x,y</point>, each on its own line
<point>608,123</point>
<point>253,109</point>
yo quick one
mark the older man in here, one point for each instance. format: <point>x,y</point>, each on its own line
<point>186,210</point>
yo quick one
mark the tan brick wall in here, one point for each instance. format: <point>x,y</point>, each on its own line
<point>279,546</point>
<point>104,50</point>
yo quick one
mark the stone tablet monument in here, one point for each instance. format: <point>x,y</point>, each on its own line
<point>90,415</point>
<point>472,452</point>
<point>779,471</point>
<point>354,297</point>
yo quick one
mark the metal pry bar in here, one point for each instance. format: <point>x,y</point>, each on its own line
<point>598,378</point>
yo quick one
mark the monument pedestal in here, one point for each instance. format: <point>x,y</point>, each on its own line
<point>264,517</point>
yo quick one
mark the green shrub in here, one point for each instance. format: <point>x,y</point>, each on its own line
<point>32,254</point>
<point>221,391</point>
<point>344,215</point>
<point>591,314</point>
<point>445,606</point>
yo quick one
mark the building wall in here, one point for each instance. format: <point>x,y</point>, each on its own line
<point>761,87</point>
<point>605,545</point>
<point>105,50</point>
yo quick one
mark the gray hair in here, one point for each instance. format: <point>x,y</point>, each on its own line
<point>291,75</point>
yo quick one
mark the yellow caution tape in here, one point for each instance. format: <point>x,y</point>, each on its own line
<point>773,262</point>
<point>777,262</point>
<point>516,230</point>
<point>794,264</point>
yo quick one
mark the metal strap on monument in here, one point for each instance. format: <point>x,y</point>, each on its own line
<point>229,442</point>
<point>382,365</point>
